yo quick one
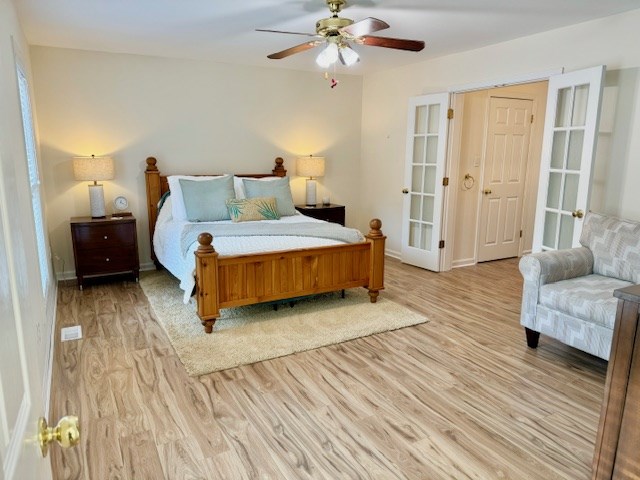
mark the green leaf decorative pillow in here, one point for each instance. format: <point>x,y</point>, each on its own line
<point>248,209</point>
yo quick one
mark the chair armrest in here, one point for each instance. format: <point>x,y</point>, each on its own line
<point>539,269</point>
<point>556,265</point>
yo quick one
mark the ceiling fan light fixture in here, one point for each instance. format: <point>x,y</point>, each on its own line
<point>348,56</point>
<point>328,56</point>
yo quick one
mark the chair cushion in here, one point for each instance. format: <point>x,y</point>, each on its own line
<point>615,245</point>
<point>589,298</point>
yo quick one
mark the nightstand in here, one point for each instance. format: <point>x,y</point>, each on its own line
<point>329,213</point>
<point>104,246</point>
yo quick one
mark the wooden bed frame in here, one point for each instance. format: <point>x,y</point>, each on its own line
<point>232,281</point>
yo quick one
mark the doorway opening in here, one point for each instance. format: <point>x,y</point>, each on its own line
<point>494,172</point>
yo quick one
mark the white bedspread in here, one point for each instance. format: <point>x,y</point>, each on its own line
<point>166,244</point>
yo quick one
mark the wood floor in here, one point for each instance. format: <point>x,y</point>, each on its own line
<point>460,397</point>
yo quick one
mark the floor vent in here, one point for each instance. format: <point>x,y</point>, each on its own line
<point>71,333</point>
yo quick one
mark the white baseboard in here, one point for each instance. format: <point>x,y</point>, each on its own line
<point>68,275</point>
<point>392,254</point>
<point>71,274</point>
<point>463,262</point>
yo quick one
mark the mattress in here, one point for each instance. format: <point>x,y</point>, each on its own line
<point>168,231</point>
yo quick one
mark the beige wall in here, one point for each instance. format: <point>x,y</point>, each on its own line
<point>195,117</point>
<point>611,41</point>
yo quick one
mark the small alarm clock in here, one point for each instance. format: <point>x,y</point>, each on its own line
<point>120,204</point>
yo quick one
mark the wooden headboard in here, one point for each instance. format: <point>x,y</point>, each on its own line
<point>158,185</point>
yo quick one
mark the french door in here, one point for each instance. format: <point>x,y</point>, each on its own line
<point>423,189</point>
<point>568,151</point>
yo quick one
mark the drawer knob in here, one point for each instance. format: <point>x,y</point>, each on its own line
<point>107,259</point>
<point>105,237</point>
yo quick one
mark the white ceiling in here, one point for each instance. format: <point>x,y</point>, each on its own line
<point>224,30</point>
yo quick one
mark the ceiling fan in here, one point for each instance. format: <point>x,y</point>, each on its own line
<point>336,32</point>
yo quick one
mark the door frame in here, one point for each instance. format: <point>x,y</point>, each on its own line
<point>452,162</point>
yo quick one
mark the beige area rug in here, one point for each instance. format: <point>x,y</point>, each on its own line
<point>251,334</point>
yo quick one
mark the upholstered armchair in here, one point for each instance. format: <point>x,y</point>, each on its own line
<point>568,294</point>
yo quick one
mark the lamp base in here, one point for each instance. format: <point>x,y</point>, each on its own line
<point>311,193</point>
<point>96,198</point>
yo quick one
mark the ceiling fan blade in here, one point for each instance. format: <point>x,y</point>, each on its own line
<point>364,27</point>
<point>398,43</point>
<point>297,49</point>
<point>291,33</point>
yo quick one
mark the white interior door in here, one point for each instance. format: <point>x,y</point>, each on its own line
<point>424,172</point>
<point>568,151</point>
<point>20,389</point>
<point>504,175</point>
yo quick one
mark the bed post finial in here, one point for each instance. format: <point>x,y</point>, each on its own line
<point>205,239</point>
<point>151,164</point>
<point>375,225</point>
<point>279,170</point>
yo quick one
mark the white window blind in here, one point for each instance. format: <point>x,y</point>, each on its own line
<point>34,176</point>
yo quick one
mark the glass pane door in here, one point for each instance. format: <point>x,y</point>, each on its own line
<point>426,144</point>
<point>423,181</point>
<point>567,156</point>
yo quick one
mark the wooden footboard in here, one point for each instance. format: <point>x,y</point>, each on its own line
<point>223,282</point>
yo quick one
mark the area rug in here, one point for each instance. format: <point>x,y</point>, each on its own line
<point>254,333</point>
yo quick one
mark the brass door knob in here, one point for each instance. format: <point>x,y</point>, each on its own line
<point>405,190</point>
<point>66,433</point>
<point>577,214</point>
<point>487,191</point>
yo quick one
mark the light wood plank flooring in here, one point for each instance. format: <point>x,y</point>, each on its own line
<point>460,397</point>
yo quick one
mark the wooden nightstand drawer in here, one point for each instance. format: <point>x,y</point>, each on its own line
<point>104,246</point>
<point>98,236</point>
<point>107,260</point>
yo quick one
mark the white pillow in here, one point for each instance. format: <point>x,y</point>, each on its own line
<point>178,210</point>
<point>238,186</point>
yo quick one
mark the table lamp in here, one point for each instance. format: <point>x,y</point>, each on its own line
<point>310,167</point>
<point>93,169</point>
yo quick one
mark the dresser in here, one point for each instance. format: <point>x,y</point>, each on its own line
<point>104,246</point>
<point>329,213</point>
<point>617,455</point>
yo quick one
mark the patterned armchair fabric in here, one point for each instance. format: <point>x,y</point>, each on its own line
<point>568,294</point>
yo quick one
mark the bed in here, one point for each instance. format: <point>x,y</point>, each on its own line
<point>235,276</point>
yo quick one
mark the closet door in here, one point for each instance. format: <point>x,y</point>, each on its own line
<point>423,189</point>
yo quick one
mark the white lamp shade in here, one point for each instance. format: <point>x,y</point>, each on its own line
<point>310,166</point>
<point>328,56</point>
<point>348,56</point>
<point>93,168</point>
